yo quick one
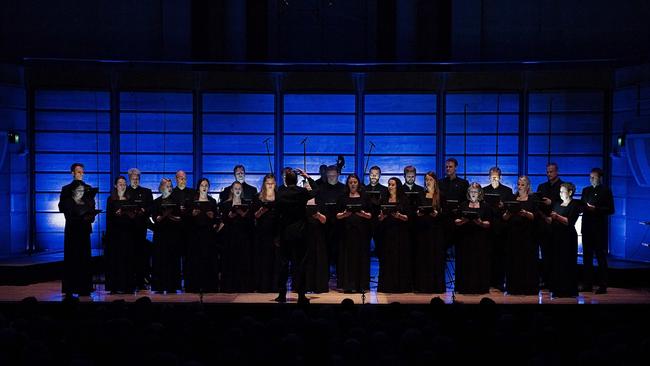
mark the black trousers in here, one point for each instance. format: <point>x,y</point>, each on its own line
<point>292,253</point>
<point>594,242</point>
<point>142,253</point>
<point>545,241</point>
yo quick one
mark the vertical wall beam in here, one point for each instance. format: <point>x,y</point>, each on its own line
<point>359,135</point>
<point>114,129</point>
<point>278,141</point>
<point>440,125</point>
<point>197,127</point>
<point>523,128</point>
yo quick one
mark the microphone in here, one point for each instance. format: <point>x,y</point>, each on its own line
<point>371,143</point>
<point>304,140</point>
<point>266,140</point>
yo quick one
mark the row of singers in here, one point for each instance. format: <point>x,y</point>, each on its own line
<point>233,246</point>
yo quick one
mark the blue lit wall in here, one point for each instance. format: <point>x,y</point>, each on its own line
<point>328,122</point>
<point>566,128</point>
<point>156,133</point>
<point>14,198</point>
<point>481,131</point>
<point>234,128</point>
<point>631,114</point>
<point>69,126</point>
<point>403,128</point>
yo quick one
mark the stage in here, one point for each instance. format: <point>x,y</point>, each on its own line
<point>39,275</point>
<point>50,292</point>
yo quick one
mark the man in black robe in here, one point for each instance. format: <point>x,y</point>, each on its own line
<point>497,235</point>
<point>598,205</point>
<point>452,186</point>
<point>548,193</point>
<point>411,189</point>
<point>78,208</point>
<point>290,205</point>
<point>184,197</point>
<point>328,195</point>
<point>375,192</point>
<point>142,197</point>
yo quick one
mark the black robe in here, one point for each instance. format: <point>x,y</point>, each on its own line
<point>595,232</point>
<point>430,249</point>
<point>472,269</point>
<point>328,196</point>
<point>120,246</point>
<point>543,232</point>
<point>522,275</point>
<point>497,235</point>
<point>167,241</point>
<point>395,272</point>
<point>142,197</point>
<point>353,269</point>
<point>565,250</point>
<point>317,273</point>
<point>374,210</point>
<point>455,189</point>
<point>184,198</point>
<point>267,243</point>
<point>290,203</point>
<point>77,274</point>
<point>237,253</point>
<point>201,273</point>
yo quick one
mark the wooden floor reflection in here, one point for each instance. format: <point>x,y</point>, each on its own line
<point>50,291</point>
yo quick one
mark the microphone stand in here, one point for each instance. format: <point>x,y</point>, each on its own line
<point>304,153</point>
<point>365,169</point>
<point>268,153</point>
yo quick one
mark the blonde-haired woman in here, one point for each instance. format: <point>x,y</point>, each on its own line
<point>237,254</point>
<point>167,240</point>
<point>430,249</point>
<point>522,277</point>
<point>472,249</point>
<point>266,261</point>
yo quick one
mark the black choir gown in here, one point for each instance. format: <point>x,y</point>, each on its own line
<point>497,235</point>
<point>77,274</point>
<point>167,241</point>
<point>565,251</point>
<point>142,264</point>
<point>329,195</point>
<point>237,253</point>
<point>374,210</point>
<point>522,274</point>
<point>353,268</point>
<point>184,198</point>
<point>430,249</point>
<point>317,274</point>
<point>201,272</point>
<point>120,246</point>
<point>266,251</point>
<point>472,269</point>
<point>395,272</point>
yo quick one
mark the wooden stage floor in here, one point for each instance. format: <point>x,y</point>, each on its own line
<point>50,292</point>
